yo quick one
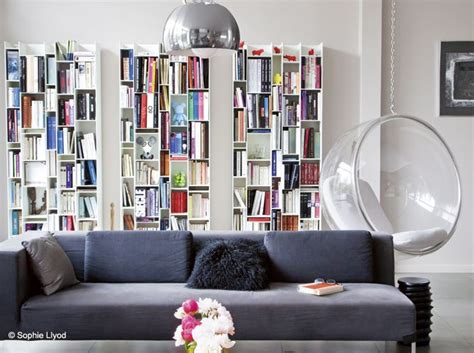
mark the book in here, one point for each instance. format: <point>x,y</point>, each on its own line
<point>198,73</point>
<point>13,97</point>
<point>13,67</point>
<point>259,108</point>
<point>240,67</point>
<point>129,222</point>
<point>84,70</point>
<point>199,142</point>
<point>146,74</point>
<point>259,75</point>
<point>126,69</point>
<point>13,125</point>
<point>291,83</point>
<point>320,288</point>
<point>239,194</point>
<point>86,106</point>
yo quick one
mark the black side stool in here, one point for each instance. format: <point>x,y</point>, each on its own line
<point>418,291</point>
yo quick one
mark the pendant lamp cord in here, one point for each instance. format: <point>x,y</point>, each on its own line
<point>392,58</point>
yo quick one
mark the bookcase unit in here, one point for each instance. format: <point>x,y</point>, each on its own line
<point>164,140</point>
<point>277,136</point>
<point>53,122</point>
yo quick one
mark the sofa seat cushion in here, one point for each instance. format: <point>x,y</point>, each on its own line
<point>138,256</point>
<point>144,311</point>
<point>303,256</point>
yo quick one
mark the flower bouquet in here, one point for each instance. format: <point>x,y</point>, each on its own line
<point>205,327</point>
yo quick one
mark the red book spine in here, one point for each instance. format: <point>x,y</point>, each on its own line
<point>62,81</point>
<point>266,209</point>
<point>143,108</point>
<point>318,76</point>
<point>67,113</point>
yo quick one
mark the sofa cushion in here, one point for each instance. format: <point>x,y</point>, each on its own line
<point>144,311</point>
<point>138,256</point>
<point>231,265</point>
<point>345,256</point>
<point>50,264</point>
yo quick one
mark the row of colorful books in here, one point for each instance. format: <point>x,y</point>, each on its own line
<point>310,205</point>
<point>309,173</point>
<point>147,202</point>
<point>66,112</point>
<point>259,75</point>
<point>259,203</point>
<point>88,207</point>
<point>199,144</point>
<point>199,205</point>
<point>198,106</point>
<point>146,110</point>
<point>34,148</point>
<point>32,113</point>
<point>179,202</point>
<point>311,72</point>
<point>13,125</point>
<point>311,143</point>
<point>198,73</point>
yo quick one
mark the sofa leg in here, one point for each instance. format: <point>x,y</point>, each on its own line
<point>413,347</point>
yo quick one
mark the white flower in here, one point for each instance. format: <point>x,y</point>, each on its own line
<point>224,341</point>
<point>205,338</point>
<point>208,307</point>
<point>223,324</point>
<point>179,314</point>
<point>178,337</point>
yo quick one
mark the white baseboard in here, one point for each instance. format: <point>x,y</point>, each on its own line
<point>413,268</point>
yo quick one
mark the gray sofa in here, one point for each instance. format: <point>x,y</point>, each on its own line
<point>132,282</point>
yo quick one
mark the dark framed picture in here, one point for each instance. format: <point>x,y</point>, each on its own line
<point>456,86</point>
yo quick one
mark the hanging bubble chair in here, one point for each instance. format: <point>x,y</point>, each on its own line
<point>394,174</point>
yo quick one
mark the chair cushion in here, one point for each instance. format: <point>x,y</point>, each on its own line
<point>300,257</point>
<point>138,256</point>
<point>144,311</point>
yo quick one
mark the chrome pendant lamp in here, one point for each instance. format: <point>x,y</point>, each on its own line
<point>202,28</point>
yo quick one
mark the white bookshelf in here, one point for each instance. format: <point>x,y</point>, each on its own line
<point>167,159</point>
<point>254,151</point>
<point>39,169</point>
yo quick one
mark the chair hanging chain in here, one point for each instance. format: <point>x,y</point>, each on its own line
<point>392,58</point>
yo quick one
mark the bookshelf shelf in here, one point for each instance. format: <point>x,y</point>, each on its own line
<point>50,176</point>
<point>162,98</point>
<point>277,137</point>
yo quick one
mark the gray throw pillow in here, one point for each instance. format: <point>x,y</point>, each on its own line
<point>50,264</point>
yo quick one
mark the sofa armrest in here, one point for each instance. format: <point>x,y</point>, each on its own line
<point>16,285</point>
<point>384,258</point>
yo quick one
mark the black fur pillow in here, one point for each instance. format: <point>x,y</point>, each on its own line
<point>231,265</point>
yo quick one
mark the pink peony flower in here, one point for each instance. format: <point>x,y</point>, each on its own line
<point>190,306</point>
<point>189,322</point>
<point>187,335</point>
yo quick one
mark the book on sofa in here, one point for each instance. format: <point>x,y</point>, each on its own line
<point>320,288</point>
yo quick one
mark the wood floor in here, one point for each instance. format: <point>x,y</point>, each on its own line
<point>453,331</point>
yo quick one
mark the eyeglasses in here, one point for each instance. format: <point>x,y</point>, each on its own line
<point>322,280</point>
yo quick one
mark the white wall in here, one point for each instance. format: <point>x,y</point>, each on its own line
<point>353,47</point>
<point>111,22</point>
<point>421,25</point>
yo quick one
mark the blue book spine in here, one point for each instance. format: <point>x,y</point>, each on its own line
<point>15,223</point>
<point>179,143</point>
<point>92,172</point>
<point>274,168</point>
<point>60,142</point>
<point>68,176</point>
